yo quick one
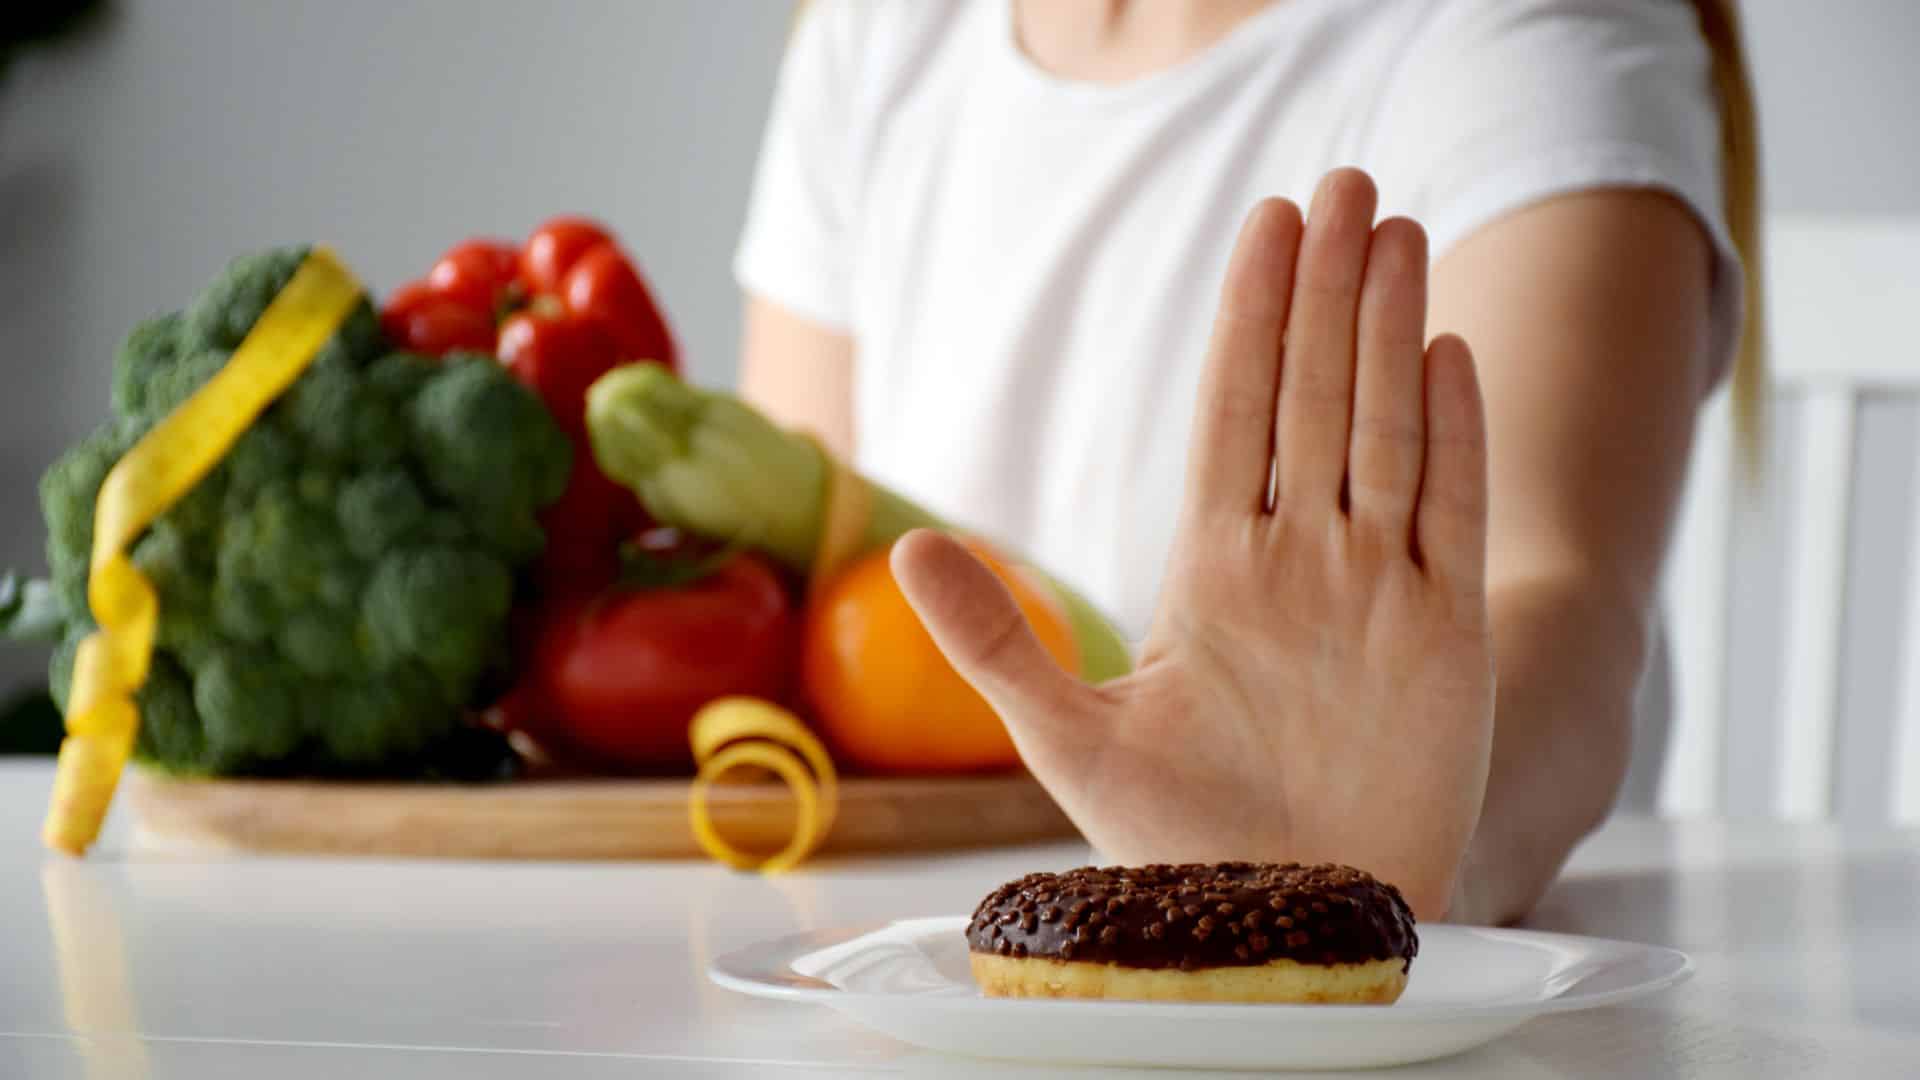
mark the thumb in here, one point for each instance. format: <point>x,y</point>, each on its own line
<point>982,632</point>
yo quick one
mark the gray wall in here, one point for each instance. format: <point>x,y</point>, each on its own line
<point>134,162</point>
<point>1837,87</point>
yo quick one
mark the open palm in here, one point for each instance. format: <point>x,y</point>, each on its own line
<point>1318,683</point>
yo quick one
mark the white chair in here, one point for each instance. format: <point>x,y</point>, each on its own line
<point>1843,303</point>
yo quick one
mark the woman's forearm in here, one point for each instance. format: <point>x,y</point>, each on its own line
<point>1589,317</point>
<point>1570,655</point>
<point>799,373</point>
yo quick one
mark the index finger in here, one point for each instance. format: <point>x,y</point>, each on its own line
<point>1232,450</point>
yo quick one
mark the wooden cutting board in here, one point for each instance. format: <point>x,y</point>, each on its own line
<point>574,818</point>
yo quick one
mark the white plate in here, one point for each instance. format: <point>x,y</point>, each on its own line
<point>1468,986</point>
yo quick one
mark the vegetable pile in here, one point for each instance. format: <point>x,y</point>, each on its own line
<point>488,524</point>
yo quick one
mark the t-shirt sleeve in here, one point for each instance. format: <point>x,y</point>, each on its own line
<point>794,250</point>
<point>1500,104</point>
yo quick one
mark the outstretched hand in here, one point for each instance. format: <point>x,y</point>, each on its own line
<point>1318,683</point>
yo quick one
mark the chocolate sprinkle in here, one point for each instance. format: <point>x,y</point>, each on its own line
<point>1323,914</point>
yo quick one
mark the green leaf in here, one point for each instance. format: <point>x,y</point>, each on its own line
<point>30,610</point>
<point>673,564</point>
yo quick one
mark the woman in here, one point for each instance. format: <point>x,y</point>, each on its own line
<point>986,246</point>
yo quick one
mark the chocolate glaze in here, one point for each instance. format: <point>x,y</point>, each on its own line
<point>1232,914</point>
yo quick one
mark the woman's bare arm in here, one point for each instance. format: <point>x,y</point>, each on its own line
<point>798,372</point>
<point>1588,319</point>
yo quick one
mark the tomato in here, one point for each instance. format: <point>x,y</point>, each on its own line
<point>602,285</point>
<point>553,249</point>
<point>558,357</point>
<point>619,676</point>
<point>478,273</point>
<point>418,319</point>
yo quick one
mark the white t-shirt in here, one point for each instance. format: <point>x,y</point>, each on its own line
<point>1028,266</point>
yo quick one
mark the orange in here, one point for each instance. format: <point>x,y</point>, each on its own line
<point>883,696</point>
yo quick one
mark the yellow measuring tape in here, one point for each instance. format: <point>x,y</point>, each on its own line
<point>162,467</point>
<point>843,526</point>
<point>735,732</point>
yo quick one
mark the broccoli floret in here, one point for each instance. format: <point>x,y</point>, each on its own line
<point>60,664</point>
<point>334,591</point>
<point>200,513</point>
<point>499,480</point>
<point>400,375</point>
<point>149,350</point>
<point>249,707</point>
<point>378,510</point>
<point>261,458</point>
<point>323,645</point>
<point>437,607</point>
<point>170,728</point>
<point>169,388</point>
<point>68,575</point>
<point>178,572</point>
<point>296,551</point>
<point>243,609</point>
<point>320,410</point>
<point>399,717</point>
<point>318,487</point>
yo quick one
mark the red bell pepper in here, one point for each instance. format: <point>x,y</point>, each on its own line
<point>574,262</point>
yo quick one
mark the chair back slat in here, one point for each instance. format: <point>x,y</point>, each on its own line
<point>1904,782</point>
<point>1816,584</point>
<point>1696,601</point>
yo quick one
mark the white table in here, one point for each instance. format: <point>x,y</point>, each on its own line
<point>130,964</point>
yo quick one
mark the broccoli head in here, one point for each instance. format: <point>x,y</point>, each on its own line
<point>334,593</point>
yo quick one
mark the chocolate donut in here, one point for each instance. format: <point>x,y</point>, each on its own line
<point>1232,931</point>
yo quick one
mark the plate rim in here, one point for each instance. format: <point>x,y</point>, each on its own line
<point>786,948</point>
